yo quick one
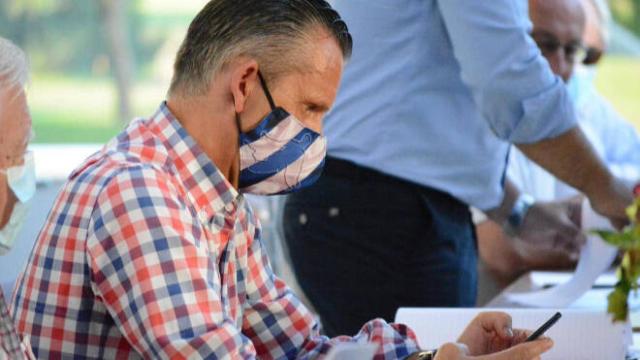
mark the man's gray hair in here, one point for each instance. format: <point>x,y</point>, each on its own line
<point>267,30</point>
<point>14,69</point>
<point>604,16</point>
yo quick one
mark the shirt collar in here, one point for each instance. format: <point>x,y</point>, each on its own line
<point>209,190</point>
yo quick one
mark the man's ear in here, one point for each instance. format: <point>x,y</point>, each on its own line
<point>244,80</point>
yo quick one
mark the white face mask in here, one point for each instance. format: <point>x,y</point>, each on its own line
<point>581,84</point>
<point>22,181</point>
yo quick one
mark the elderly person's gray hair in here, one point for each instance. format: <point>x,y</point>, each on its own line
<point>14,69</point>
<point>604,16</point>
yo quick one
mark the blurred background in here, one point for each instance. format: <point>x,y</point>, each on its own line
<point>97,64</point>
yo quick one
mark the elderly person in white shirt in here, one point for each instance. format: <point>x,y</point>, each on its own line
<point>17,176</point>
<point>557,30</point>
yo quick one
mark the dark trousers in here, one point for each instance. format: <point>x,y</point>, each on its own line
<point>363,244</point>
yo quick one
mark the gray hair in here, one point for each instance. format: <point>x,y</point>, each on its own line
<point>604,15</point>
<point>14,69</point>
<point>266,30</point>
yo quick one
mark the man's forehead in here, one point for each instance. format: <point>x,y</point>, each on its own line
<point>325,59</point>
<point>564,19</point>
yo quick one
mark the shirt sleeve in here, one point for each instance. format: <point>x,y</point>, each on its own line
<point>511,83</point>
<point>280,326</point>
<point>621,141</point>
<point>155,280</point>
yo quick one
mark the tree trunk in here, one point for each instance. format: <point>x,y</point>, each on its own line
<point>114,18</point>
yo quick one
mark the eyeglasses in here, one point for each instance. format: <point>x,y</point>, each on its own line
<point>574,51</point>
<point>592,56</point>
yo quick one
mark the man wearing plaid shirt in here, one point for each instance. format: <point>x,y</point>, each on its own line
<point>17,177</point>
<point>151,250</point>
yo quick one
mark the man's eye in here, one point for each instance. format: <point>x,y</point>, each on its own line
<point>548,47</point>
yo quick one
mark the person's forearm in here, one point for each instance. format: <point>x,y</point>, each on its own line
<point>572,159</point>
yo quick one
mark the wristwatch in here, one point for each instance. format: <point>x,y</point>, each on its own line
<point>422,355</point>
<point>516,217</point>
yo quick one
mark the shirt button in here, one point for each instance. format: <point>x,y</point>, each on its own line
<point>230,207</point>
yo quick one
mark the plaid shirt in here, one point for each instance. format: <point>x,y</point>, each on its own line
<point>11,345</point>
<point>150,252</point>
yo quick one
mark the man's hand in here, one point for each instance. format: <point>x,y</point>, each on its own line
<point>554,225</point>
<point>489,337</point>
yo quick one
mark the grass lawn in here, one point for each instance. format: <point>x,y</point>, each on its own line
<point>619,81</point>
<point>69,110</point>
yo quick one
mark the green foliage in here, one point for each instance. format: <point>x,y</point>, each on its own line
<point>629,271</point>
<point>627,13</point>
<point>67,35</point>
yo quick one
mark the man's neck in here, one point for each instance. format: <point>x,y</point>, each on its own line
<point>213,127</point>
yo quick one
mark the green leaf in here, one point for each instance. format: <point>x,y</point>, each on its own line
<point>617,304</point>
<point>628,239</point>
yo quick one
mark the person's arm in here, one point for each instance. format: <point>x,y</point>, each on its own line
<point>523,102</point>
<point>161,288</point>
<point>571,158</point>
<point>279,325</point>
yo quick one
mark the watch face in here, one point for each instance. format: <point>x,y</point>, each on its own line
<point>426,355</point>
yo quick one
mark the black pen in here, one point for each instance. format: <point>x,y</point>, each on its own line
<point>542,329</point>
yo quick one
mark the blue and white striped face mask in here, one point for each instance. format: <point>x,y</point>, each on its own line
<point>280,155</point>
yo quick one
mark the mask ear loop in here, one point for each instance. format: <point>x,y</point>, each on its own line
<point>267,93</point>
<point>272,104</point>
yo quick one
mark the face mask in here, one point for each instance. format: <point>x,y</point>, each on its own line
<point>22,181</point>
<point>581,84</point>
<point>280,155</point>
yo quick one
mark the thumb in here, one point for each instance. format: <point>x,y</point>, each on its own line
<point>568,232</point>
<point>525,351</point>
<point>452,351</point>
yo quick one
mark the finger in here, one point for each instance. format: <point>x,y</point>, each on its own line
<point>499,322</point>
<point>450,351</point>
<point>575,209</point>
<point>566,228</point>
<point>525,351</point>
<point>520,336</point>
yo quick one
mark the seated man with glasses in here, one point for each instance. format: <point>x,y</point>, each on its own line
<point>572,35</point>
<point>17,177</point>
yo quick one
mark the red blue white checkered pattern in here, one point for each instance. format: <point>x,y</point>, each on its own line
<point>149,252</point>
<point>11,344</point>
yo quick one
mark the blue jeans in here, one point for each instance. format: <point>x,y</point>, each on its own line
<point>363,244</point>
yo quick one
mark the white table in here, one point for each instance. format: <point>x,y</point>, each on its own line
<point>525,283</point>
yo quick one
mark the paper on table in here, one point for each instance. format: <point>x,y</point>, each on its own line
<point>352,351</point>
<point>595,257</point>
<point>552,278</point>
<point>578,335</point>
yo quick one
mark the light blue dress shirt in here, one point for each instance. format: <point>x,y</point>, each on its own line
<point>436,89</point>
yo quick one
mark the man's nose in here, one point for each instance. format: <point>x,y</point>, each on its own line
<point>561,64</point>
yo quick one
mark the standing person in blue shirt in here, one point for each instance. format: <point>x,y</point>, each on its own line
<point>433,96</point>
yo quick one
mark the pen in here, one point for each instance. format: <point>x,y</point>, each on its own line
<point>542,329</point>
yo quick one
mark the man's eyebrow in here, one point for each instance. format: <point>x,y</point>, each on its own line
<point>320,106</point>
<point>544,33</point>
